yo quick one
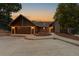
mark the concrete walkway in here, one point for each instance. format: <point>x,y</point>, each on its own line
<point>68,40</point>
<point>33,37</point>
<point>53,36</point>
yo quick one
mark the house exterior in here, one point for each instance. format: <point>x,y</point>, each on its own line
<point>22,25</point>
<point>56,26</point>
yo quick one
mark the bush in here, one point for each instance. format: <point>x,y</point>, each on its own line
<point>4,27</point>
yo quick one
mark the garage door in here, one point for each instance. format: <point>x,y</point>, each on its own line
<point>23,30</point>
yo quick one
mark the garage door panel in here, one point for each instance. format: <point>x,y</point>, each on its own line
<point>23,30</point>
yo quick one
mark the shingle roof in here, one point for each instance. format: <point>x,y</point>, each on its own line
<point>22,21</point>
<point>52,24</point>
<point>39,24</point>
<point>42,24</point>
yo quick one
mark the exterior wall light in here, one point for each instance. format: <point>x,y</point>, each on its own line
<point>32,27</point>
<point>13,27</point>
<point>43,27</point>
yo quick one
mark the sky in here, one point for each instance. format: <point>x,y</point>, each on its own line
<point>37,11</point>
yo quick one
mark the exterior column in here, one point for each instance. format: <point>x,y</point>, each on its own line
<point>33,30</point>
<point>13,29</point>
<point>50,29</point>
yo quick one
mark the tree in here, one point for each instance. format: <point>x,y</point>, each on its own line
<point>6,9</point>
<point>67,14</point>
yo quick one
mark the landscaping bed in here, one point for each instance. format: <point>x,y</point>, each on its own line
<point>4,33</point>
<point>71,36</point>
<point>43,34</point>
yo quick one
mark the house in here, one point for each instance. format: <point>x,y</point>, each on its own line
<point>56,26</point>
<point>22,25</point>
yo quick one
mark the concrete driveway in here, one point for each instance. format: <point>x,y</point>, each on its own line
<point>18,46</point>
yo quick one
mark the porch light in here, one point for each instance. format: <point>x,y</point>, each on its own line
<point>32,27</point>
<point>13,27</point>
<point>43,27</point>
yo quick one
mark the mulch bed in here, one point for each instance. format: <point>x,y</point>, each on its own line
<point>68,36</point>
<point>43,34</point>
<point>4,34</point>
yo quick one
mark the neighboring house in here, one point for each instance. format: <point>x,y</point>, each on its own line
<point>22,25</point>
<point>56,26</point>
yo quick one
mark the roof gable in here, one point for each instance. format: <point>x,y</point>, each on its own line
<point>21,21</point>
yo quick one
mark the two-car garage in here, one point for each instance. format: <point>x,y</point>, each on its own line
<point>21,30</point>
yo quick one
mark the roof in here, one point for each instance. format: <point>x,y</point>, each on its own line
<point>21,21</point>
<point>52,24</point>
<point>35,23</point>
<point>42,24</point>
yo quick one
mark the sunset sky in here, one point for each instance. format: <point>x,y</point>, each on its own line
<point>37,11</point>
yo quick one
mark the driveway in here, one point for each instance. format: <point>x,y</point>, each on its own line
<point>18,46</point>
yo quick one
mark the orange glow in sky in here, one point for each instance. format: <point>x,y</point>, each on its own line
<point>34,13</point>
